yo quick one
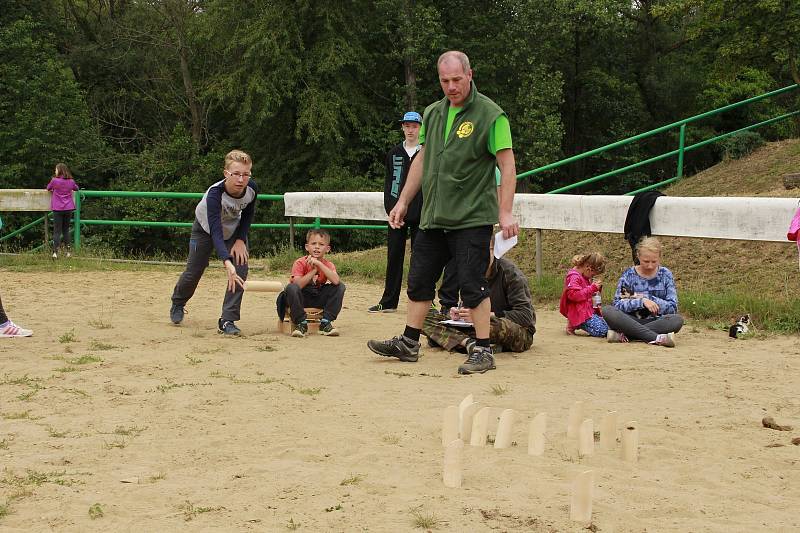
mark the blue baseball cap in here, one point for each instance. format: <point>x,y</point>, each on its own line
<point>412,116</point>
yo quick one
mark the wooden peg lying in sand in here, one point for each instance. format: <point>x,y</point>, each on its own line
<point>263,286</point>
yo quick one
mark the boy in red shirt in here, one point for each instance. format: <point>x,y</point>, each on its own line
<point>315,283</point>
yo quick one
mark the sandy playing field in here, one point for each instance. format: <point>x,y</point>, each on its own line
<point>113,419</point>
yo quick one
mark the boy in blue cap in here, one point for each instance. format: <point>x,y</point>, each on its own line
<point>398,161</point>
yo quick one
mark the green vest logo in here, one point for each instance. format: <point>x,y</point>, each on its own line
<point>465,130</point>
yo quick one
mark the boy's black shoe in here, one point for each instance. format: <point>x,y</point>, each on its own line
<point>227,327</point>
<point>326,328</point>
<point>479,361</point>
<point>379,308</point>
<point>401,347</point>
<point>300,330</point>
<point>176,313</point>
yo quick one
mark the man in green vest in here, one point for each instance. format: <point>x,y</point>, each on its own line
<point>464,135</point>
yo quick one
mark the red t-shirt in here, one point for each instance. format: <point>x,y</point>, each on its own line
<point>300,268</point>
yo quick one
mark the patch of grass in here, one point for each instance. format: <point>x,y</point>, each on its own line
<point>310,391</point>
<point>68,337</point>
<point>77,392</point>
<point>239,381</point>
<point>56,434</point>
<point>116,443</point>
<point>193,360</point>
<point>134,431</point>
<point>499,390</point>
<point>84,360</point>
<point>337,507</point>
<point>101,346</point>
<point>99,323</point>
<point>265,348</point>
<point>20,415</point>
<point>4,443</point>
<point>25,396</point>
<point>157,477</point>
<point>422,520</point>
<point>171,386</point>
<point>352,479</point>
<point>96,511</point>
<point>292,525</point>
<point>197,333</point>
<point>190,510</point>
<point>35,478</point>
<point>398,374</point>
<point>66,369</point>
<point>391,439</point>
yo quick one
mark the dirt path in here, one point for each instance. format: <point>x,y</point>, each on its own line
<point>177,428</point>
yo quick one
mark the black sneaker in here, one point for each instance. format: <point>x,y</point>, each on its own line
<point>227,327</point>
<point>378,308</point>
<point>401,347</point>
<point>300,330</point>
<point>326,328</point>
<point>176,313</point>
<point>479,361</point>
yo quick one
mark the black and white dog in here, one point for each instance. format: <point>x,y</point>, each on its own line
<point>740,327</point>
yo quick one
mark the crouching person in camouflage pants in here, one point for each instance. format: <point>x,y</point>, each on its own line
<point>512,322</point>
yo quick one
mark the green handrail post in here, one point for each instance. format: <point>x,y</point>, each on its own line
<point>76,222</point>
<point>317,223</point>
<point>681,144</point>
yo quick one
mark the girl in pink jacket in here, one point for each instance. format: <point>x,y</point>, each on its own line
<point>62,205</point>
<point>580,286</point>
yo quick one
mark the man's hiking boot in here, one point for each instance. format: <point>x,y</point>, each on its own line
<point>479,361</point>
<point>400,347</point>
<point>227,327</point>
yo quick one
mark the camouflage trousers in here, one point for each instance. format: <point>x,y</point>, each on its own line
<point>502,332</point>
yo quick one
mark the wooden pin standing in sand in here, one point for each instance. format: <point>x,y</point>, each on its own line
<point>630,442</point>
<point>608,431</point>
<point>536,434</point>
<point>467,401</point>
<point>580,504</point>
<point>504,430</point>
<point>450,425</point>
<point>586,438</point>
<point>452,464</point>
<point>465,428</point>
<point>480,427</point>
<point>574,420</point>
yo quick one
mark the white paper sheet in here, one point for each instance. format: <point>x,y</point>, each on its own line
<point>501,245</point>
<point>456,323</point>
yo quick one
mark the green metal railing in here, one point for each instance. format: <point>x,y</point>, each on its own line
<point>82,195</point>
<point>680,151</point>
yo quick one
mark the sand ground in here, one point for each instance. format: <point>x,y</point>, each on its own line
<point>111,409</point>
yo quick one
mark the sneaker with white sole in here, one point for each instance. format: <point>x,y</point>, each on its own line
<point>9,330</point>
<point>616,336</point>
<point>400,347</point>
<point>300,329</point>
<point>176,313</point>
<point>664,339</point>
<point>479,361</point>
<point>326,327</point>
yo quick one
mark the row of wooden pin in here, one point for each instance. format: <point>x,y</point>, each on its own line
<point>469,422</point>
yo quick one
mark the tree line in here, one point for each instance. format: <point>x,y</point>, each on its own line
<point>150,94</point>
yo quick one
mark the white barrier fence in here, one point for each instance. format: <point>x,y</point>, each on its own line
<point>727,217</point>
<point>719,217</point>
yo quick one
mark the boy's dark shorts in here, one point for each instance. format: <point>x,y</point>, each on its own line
<point>433,248</point>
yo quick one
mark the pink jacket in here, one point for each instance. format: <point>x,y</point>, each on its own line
<point>62,194</point>
<point>576,300</point>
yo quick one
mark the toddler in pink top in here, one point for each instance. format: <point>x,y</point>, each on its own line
<point>581,286</point>
<point>62,205</point>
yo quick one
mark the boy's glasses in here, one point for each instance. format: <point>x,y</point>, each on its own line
<point>239,174</point>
